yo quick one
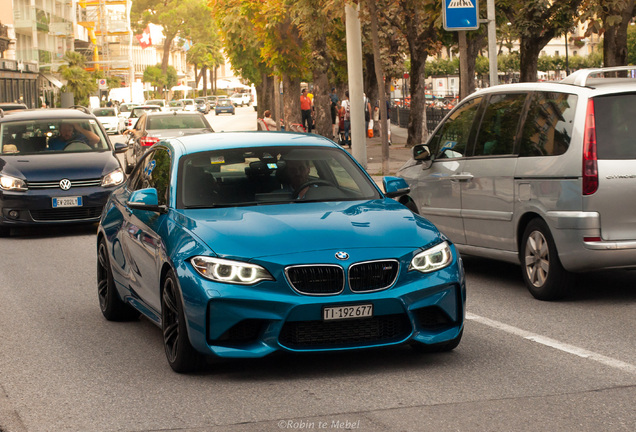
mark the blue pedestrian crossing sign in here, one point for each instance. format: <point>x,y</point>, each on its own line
<point>461,14</point>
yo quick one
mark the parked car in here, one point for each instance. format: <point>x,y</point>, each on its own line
<point>126,108</point>
<point>537,174</point>
<point>243,244</point>
<point>202,105</point>
<point>159,102</point>
<point>240,99</point>
<point>155,126</point>
<point>224,106</point>
<point>212,100</point>
<point>137,112</point>
<point>10,106</point>
<point>57,166</point>
<point>189,105</point>
<point>176,105</point>
<point>111,119</point>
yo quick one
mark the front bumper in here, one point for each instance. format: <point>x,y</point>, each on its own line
<point>243,322</point>
<point>35,207</point>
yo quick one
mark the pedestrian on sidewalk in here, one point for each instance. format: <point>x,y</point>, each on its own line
<point>334,111</point>
<point>305,110</point>
<point>346,114</point>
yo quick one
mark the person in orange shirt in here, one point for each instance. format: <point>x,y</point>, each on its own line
<point>305,110</point>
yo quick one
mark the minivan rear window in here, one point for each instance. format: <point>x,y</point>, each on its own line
<point>548,127</point>
<point>615,117</point>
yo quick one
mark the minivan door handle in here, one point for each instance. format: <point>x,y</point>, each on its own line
<point>462,176</point>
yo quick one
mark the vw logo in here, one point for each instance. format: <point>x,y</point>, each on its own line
<point>65,184</point>
<point>342,256</point>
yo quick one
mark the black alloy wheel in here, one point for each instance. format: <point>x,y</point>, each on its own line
<point>112,307</point>
<point>180,354</point>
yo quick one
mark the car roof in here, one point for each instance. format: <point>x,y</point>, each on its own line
<point>174,114</point>
<point>228,140</point>
<point>45,114</point>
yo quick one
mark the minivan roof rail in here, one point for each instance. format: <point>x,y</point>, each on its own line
<point>580,77</point>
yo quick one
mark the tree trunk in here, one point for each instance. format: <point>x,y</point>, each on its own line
<point>291,101</point>
<point>417,131</point>
<point>528,58</point>
<point>322,103</point>
<point>615,38</point>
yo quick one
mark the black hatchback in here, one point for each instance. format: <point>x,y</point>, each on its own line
<point>57,166</point>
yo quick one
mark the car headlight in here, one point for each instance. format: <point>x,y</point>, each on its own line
<point>9,183</point>
<point>228,271</point>
<point>114,178</point>
<point>432,259</point>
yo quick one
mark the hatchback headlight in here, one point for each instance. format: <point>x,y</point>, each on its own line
<point>228,271</point>
<point>432,259</point>
<point>9,183</point>
<point>114,178</point>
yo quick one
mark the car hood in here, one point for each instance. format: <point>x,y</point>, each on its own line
<point>56,166</point>
<point>261,231</point>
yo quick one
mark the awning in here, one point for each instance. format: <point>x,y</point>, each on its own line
<point>50,78</point>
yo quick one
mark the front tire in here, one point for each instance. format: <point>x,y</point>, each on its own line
<point>112,307</point>
<point>545,277</point>
<point>181,356</point>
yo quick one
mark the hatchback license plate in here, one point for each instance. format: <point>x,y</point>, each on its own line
<point>67,202</point>
<point>347,312</point>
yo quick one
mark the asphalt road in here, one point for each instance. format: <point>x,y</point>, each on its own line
<point>523,365</point>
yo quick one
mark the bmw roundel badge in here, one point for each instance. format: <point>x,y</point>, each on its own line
<point>342,256</point>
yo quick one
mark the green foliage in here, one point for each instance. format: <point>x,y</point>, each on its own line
<point>156,78</point>
<point>78,81</point>
<point>631,45</point>
<point>442,67</point>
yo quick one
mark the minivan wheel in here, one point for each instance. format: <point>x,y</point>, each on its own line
<point>543,273</point>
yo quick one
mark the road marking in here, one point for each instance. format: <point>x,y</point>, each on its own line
<point>552,343</point>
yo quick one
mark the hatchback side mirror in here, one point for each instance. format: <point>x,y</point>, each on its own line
<point>146,199</point>
<point>395,187</point>
<point>421,152</point>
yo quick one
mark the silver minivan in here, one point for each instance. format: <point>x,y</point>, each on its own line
<point>541,174</point>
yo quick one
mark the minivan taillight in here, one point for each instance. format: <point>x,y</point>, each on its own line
<point>148,141</point>
<point>590,165</point>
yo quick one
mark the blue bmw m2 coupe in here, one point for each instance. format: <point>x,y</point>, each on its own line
<point>243,244</point>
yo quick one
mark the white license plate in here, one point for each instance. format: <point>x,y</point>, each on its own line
<point>347,312</point>
<point>67,202</point>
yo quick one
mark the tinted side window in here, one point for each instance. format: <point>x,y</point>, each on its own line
<point>548,127</point>
<point>154,173</point>
<point>451,140</point>
<point>615,126</point>
<point>499,124</point>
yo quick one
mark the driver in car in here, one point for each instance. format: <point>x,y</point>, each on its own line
<point>298,174</point>
<point>70,132</point>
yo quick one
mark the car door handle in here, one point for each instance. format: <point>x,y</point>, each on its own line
<point>462,177</point>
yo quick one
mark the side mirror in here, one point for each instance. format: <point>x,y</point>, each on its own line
<point>421,152</point>
<point>121,147</point>
<point>146,199</point>
<point>395,187</point>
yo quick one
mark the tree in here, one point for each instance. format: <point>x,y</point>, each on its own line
<point>176,17</point>
<point>537,22</point>
<point>158,79</point>
<point>78,81</point>
<point>417,21</point>
<point>611,19</point>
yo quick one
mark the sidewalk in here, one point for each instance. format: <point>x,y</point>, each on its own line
<point>398,154</point>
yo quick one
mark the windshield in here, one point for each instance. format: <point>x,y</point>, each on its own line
<point>44,136</point>
<point>104,112</point>
<point>224,102</point>
<point>188,101</point>
<point>137,112</point>
<point>272,175</point>
<point>176,103</point>
<point>126,107</point>
<point>176,122</point>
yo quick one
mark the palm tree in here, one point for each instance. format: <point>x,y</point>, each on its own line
<point>78,81</point>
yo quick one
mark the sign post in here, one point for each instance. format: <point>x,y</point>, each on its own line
<point>460,14</point>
